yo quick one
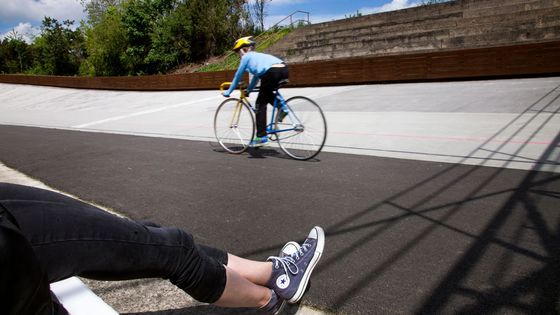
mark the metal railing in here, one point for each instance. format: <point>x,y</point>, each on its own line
<point>290,17</point>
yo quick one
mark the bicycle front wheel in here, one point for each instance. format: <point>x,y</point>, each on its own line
<point>303,132</point>
<point>234,125</point>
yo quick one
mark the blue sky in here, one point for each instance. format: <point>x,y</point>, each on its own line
<point>24,16</point>
<point>327,10</point>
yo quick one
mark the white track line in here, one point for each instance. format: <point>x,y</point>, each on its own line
<point>150,111</point>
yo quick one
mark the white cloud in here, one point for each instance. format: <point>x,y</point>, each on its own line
<point>23,30</point>
<point>33,11</point>
<point>25,16</point>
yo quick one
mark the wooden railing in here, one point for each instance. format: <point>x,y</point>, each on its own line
<point>494,62</point>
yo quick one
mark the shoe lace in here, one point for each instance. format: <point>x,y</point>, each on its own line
<point>289,263</point>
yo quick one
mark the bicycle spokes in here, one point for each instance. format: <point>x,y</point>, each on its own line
<point>234,125</point>
<point>302,132</point>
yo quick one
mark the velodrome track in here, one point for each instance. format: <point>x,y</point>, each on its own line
<point>436,197</point>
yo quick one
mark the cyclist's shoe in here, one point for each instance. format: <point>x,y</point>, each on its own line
<point>290,274</point>
<point>258,141</point>
<point>274,305</point>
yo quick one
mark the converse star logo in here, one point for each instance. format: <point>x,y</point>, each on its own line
<point>283,281</point>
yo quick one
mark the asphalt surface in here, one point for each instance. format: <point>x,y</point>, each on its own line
<point>403,236</point>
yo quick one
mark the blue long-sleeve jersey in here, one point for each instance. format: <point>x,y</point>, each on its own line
<point>255,63</point>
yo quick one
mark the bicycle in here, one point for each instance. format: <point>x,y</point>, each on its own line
<point>298,124</point>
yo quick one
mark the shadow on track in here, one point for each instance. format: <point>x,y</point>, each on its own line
<point>526,227</point>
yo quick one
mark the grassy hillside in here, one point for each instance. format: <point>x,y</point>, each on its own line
<point>230,61</point>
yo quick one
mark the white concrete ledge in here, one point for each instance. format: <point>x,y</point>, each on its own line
<point>78,299</point>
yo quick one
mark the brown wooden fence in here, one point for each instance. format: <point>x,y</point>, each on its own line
<point>494,62</point>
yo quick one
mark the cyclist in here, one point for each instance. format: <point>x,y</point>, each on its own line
<point>269,69</point>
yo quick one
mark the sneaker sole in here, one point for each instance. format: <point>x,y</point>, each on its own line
<point>280,309</point>
<point>316,256</point>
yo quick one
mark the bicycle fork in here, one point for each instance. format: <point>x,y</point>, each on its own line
<point>235,117</point>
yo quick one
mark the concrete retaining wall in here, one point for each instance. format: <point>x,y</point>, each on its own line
<point>460,24</point>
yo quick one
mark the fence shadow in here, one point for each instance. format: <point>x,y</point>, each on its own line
<point>526,212</point>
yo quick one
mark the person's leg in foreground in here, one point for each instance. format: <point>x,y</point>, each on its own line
<point>24,288</point>
<point>72,238</point>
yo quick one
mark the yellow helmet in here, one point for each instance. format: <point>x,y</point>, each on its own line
<point>246,41</point>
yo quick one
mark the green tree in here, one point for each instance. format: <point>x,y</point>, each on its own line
<point>131,37</point>
<point>238,23</point>
<point>259,11</point>
<point>216,24</point>
<point>196,30</point>
<point>95,9</point>
<point>15,54</point>
<point>139,19</point>
<point>106,45</point>
<point>60,50</point>
<point>170,40</point>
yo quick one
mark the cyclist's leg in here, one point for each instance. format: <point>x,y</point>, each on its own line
<point>269,83</point>
<point>261,108</point>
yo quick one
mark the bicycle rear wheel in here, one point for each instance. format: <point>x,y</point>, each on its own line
<point>234,125</point>
<point>302,133</point>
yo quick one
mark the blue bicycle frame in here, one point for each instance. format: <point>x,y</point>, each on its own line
<point>280,105</point>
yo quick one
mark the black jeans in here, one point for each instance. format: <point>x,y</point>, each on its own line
<point>46,237</point>
<point>269,84</point>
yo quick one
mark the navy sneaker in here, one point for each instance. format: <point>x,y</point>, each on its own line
<point>276,304</point>
<point>290,274</point>
<point>259,141</point>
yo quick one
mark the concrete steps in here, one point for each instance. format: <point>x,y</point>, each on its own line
<point>452,25</point>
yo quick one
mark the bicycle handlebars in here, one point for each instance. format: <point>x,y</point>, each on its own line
<point>242,86</point>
